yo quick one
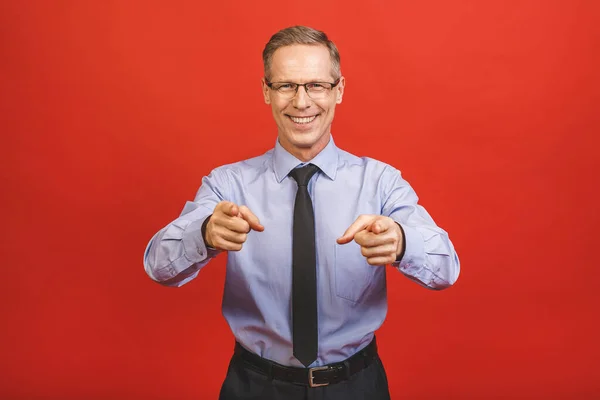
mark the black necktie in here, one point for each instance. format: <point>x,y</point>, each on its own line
<point>304,271</point>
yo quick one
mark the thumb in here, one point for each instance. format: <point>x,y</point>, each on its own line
<point>379,225</point>
<point>375,228</point>
<point>252,219</point>
<point>231,209</point>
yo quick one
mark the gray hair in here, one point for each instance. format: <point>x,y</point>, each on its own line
<point>301,35</point>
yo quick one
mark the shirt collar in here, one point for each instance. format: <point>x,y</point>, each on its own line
<point>326,160</point>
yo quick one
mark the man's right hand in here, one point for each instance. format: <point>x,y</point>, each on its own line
<point>229,226</point>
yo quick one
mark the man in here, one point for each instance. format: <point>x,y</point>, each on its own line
<point>308,229</point>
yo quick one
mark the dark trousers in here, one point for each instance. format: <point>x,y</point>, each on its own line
<point>244,383</point>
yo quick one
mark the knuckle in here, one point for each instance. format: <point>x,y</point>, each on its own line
<point>245,226</point>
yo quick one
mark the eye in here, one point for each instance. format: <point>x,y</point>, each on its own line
<point>317,86</point>
<point>285,86</point>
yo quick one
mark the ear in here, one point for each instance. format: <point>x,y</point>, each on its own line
<point>340,90</point>
<point>266,91</point>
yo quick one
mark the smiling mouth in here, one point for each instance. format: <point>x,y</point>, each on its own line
<point>303,120</point>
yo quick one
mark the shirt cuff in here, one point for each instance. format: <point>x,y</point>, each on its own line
<point>401,255</point>
<point>414,248</point>
<point>193,242</point>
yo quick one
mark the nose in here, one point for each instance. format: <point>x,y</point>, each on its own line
<point>301,100</point>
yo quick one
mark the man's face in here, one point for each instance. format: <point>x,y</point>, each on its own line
<point>303,122</point>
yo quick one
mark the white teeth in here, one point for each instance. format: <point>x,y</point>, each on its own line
<point>304,120</point>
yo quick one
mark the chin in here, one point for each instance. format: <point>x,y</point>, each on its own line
<point>305,140</point>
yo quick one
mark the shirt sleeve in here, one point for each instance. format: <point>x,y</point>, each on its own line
<point>175,255</point>
<point>429,256</point>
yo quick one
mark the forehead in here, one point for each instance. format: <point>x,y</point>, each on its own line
<point>300,63</point>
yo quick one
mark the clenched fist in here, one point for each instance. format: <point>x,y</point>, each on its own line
<point>229,226</point>
<point>380,238</point>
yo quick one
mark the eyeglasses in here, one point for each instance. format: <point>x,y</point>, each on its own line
<point>315,90</point>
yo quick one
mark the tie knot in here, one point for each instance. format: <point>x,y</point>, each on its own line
<point>302,175</point>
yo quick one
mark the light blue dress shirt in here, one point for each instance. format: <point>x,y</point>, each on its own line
<point>352,298</point>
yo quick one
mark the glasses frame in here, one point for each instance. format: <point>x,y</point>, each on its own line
<point>333,84</point>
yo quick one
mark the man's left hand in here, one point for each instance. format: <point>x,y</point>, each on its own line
<point>379,238</point>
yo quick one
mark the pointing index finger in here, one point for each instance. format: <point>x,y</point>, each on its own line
<point>361,223</point>
<point>252,219</point>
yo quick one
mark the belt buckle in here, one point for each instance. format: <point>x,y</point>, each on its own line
<point>311,377</point>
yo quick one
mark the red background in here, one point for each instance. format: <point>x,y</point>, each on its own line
<point>112,111</point>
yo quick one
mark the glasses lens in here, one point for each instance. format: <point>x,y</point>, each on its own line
<point>284,87</point>
<point>317,90</point>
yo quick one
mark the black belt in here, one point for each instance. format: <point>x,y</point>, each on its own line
<point>313,377</point>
